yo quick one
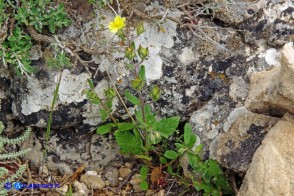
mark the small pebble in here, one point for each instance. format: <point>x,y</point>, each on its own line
<point>93,182</point>
<point>129,165</point>
<point>43,171</point>
<point>81,188</point>
<point>124,172</point>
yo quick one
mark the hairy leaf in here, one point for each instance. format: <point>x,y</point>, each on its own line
<point>170,154</point>
<point>128,142</point>
<point>105,128</point>
<point>167,126</point>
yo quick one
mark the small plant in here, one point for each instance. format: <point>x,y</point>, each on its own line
<point>42,13</point>
<point>16,51</point>
<point>143,175</point>
<point>4,172</point>
<point>143,135</point>
<point>209,176</point>
<point>139,136</point>
<point>58,60</point>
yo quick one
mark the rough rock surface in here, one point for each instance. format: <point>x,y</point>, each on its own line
<point>274,24</point>
<point>272,168</point>
<point>272,91</point>
<point>235,12</point>
<point>236,147</point>
<point>92,180</point>
<point>68,150</point>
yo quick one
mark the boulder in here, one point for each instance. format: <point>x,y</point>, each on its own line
<point>236,147</point>
<point>272,91</point>
<point>272,168</point>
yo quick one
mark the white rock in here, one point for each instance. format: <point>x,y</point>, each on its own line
<point>272,168</point>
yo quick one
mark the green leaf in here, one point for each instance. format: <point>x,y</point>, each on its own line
<point>142,73</point>
<point>194,159</point>
<point>144,157</point>
<point>130,66</point>
<point>131,98</point>
<point>167,126</point>
<point>144,172</point>
<point>125,126</point>
<point>138,137</point>
<point>103,114</point>
<point>162,160</point>
<point>110,93</point>
<point>198,149</point>
<point>91,84</point>
<point>128,142</point>
<point>192,141</point>
<point>133,46</point>
<point>144,185</point>
<point>179,146</point>
<point>105,128</point>
<point>213,168</point>
<point>187,133</point>
<point>170,154</point>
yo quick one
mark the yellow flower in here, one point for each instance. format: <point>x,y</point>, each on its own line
<point>117,24</point>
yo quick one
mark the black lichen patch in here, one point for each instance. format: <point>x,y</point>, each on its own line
<point>6,103</point>
<point>260,26</point>
<point>63,117</point>
<point>241,156</point>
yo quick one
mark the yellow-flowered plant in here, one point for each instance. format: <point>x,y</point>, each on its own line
<point>117,24</point>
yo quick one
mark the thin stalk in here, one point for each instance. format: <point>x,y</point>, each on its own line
<point>120,98</point>
<point>49,122</point>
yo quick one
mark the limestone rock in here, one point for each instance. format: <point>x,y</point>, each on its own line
<point>272,169</point>
<point>234,13</point>
<point>94,151</point>
<point>272,91</point>
<point>92,181</point>
<point>236,147</point>
<point>33,99</point>
<point>274,24</point>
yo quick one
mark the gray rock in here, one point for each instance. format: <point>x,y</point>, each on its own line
<point>235,12</point>
<point>274,24</point>
<point>65,153</point>
<point>271,171</point>
<point>112,175</point>
<point>236,147</point>
<point>33,101</point>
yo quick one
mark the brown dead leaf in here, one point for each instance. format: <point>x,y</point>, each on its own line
<point>154,176</point>
<point>77,173</point>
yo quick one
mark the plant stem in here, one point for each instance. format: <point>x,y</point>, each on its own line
<point>48,131</point>
<point>120,98</point>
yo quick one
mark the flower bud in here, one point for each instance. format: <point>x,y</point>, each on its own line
<point>143,52</point>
